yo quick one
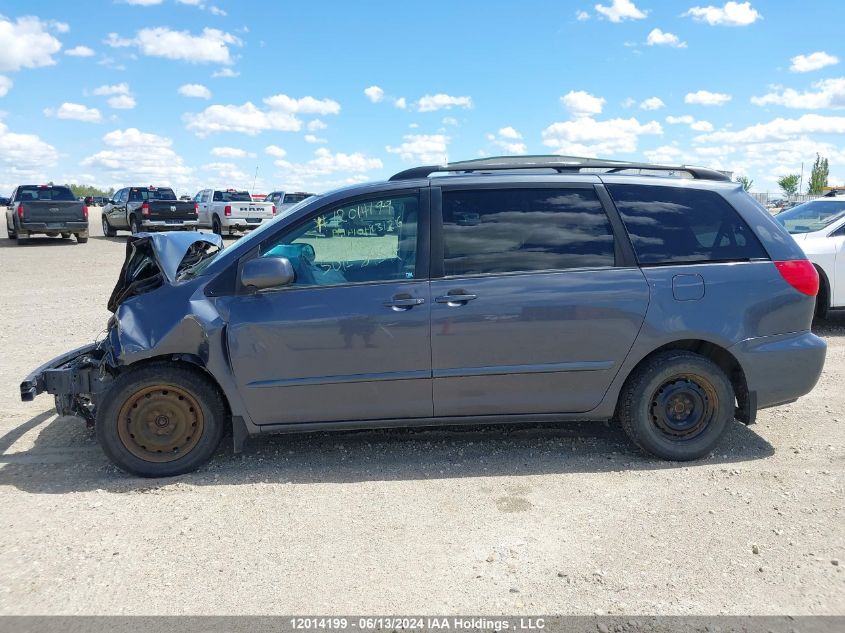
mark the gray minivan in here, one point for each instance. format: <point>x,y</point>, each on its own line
<point>511,290</point>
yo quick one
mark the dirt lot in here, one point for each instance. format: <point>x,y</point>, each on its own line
<point>564,519</point>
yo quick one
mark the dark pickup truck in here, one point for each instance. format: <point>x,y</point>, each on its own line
<point>142,209</point>
<point>46,209</point>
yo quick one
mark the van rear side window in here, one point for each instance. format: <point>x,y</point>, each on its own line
<point>671,225</point>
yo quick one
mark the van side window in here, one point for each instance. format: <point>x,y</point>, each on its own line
<point>670,225</point>
<point>518,230</point>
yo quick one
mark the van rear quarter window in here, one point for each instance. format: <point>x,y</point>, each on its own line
<point>670,225</point>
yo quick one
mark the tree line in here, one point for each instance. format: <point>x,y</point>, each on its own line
<point>790,183</point>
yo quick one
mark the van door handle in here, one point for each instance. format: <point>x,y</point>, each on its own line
<point>456,299</point>
<point>400,303</point>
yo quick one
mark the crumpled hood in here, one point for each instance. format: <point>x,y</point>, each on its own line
<point>156,258</point>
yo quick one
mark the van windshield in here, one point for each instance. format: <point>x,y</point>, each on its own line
<point>811,216</point>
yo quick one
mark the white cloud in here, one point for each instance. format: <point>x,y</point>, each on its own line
<point>80,51</point>
<point>660,38</point>
<point>665,154</point>
<point>211,46</point>
<point>652,103</point>
<point>779,129</point>
<point>326,163</point>
<point>24,156</point>
<point>400,103</point>
<point>5,85</point>
<point>225,72</point>
<point>26,43</point>
<point>827,93</point>
<point>246,119</point>
<point>686,118</point>
<point>305,105</point>
<point>587,137</point>
<point>229,173</point>
<point>374,94</point>
<point>705,97</point>
<point>813,61</point>
<point>582,16</point>
<point>75,112</point>
<point>230,152</point>
<point>731,14</point>
<point>311,138</point>
<point>440,101</point>
<point>122,102</point>
<point>628,102</point>
<point>582,103</point>
<point>509,140</point>
<point>114,89</point>
<point>195,90</point>
<point>135,156</point>
<point>620,10</point>
<point>450,120</point>
<point>275,150</point>
<point>701,126</point>
<point>316,124</point>
<point>422,148</point>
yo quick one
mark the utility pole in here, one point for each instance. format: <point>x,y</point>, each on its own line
<point>801,182</point>
<point>255,178</point>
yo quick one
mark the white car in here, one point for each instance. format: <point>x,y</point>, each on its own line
<point>229,210</point>
<point>819,228</point>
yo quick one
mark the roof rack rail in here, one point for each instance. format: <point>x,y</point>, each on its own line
<point>561,164</point>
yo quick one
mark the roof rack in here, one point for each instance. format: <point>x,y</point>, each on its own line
<point>561,164</point>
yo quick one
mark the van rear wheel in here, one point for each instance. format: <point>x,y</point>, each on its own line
<point>160,420</point>
<point>677,406</point>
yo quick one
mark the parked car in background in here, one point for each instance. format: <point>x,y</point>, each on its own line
<point>139,209</point>
<point>4,202</point>
<point>819,228</point>
<point>100,201</point>
<point>285,201</point>
<point>46,209</point>
<point>515,289</point>
<point>229,210</point>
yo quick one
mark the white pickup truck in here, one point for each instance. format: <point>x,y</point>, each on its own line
<point>229,210</point>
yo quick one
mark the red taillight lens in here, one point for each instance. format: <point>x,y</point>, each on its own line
<point>196,208</point>
<point>227,210</point>
<point>274,209</point>
<point>85,212</point>
<point>801,275</point>
<point>145,208</point>
<point>20,211</point>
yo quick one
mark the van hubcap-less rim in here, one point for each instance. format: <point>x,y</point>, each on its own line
<point>160,423</point>
<point>683,406</point>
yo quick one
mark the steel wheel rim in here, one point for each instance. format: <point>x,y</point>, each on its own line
<point>161,423</point>
<point>683,406</point>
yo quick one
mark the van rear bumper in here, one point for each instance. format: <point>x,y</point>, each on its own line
<point>781,368</point>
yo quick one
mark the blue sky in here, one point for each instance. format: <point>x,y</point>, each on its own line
<point>315,95</point>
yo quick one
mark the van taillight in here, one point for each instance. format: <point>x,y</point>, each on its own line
<point>145,208</point>
<point>196,208</point>
<point>274,209</point>
<point>801,275</point>
<point>20,211</point>
<point>84,212</point>
<point>227,210</point>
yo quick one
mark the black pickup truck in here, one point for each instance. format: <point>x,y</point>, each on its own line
<point>140,209</point>
<point>46,209</point>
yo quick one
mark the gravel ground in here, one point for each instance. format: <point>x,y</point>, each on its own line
<point>540,519</point>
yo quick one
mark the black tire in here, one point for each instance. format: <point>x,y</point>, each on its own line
<point>823,297</point>
<point>81,239</point>
<point>21,239</point>
<point>10,233</point>
<point>162,381</point>
<point>108,229</point>
<point>216,227</point>
<point>66,236</point>
<point>677,406</point>
<point>135,225</point>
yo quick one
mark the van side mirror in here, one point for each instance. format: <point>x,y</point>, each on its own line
<point>267,272</point>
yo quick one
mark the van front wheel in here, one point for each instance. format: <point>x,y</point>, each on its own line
<point>159,420</point>
<point>677,405</point>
